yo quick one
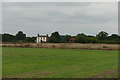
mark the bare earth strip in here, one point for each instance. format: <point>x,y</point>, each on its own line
<point>106,74</point>
<point>64,45</point>
<point>30,75</point>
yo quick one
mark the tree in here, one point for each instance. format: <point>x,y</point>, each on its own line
<point>91,39</point>
<point>102,35</point>
<point>81,38</point>
<point>54,38</point>
<point>113,37</point>
<point>30,39</point>
<point>20,36</point>
<point>67,37</point>
<point>8,38</point>
<point>0,37</point>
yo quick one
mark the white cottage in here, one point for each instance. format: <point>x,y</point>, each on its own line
<point>42,38</point>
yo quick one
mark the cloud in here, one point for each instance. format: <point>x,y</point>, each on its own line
<point>65,17</point>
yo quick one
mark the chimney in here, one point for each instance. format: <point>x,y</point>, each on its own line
<point>47,35</point>
<point>38,34</point>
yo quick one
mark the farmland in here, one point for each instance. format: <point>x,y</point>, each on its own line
<point>58,63</point>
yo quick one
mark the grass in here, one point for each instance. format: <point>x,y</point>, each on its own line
<point>57,63</point>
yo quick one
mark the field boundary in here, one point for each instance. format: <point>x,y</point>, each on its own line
<point>64,46</point>
<point>105,74</point>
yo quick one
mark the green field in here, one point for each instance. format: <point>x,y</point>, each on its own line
<point>58,63</point>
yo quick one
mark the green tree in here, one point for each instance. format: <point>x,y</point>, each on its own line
<point>30,39</point>
<point>91,39</point>
<point>81,38</point>
<point>102,35</point>
<point>55,38</point>
<point>67,37</point>
<point>8,38</point>
<point>0,37</point>
<point>113,37</point>
<point>20,36</point>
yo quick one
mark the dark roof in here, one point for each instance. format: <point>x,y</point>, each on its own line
<point>42,35</point>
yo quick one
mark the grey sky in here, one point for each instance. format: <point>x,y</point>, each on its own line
<point>65,17</point>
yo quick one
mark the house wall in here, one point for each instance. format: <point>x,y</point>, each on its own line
<point>43,39</point>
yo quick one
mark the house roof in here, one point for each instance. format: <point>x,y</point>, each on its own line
<point>42,35</point>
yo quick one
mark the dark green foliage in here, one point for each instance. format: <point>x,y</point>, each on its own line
<point>0,37</point>
<point>81,38</point>
<point>8,38</point>
<point>20,36</point>
<point>102,35</point>
<point>30,39</point>
<point>62,39</point>
<point>92,39</point>
<point>114,38</point>
<point>55,38</point>
<point>67,37</point>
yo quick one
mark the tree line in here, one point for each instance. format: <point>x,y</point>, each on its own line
<point>101,37</point>
<point>19,37</point>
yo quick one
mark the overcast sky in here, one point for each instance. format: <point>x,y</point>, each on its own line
<point>65,17</point>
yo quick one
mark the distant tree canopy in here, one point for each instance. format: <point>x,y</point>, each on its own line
<point>113,37</point>
<point>101,37</point>
<point>55,38</point>
<point>92,39</point>
<point>20,36</point>
<point>81,38</point>
<point>8,38</point>
<point>30,39</point>
<point>66,38</point>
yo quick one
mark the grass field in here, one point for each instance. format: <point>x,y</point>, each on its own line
<point>59,63</point>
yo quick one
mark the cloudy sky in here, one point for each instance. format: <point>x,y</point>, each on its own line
<point>65,17</point>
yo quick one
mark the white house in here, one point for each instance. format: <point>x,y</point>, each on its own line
<point>42,38</point>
